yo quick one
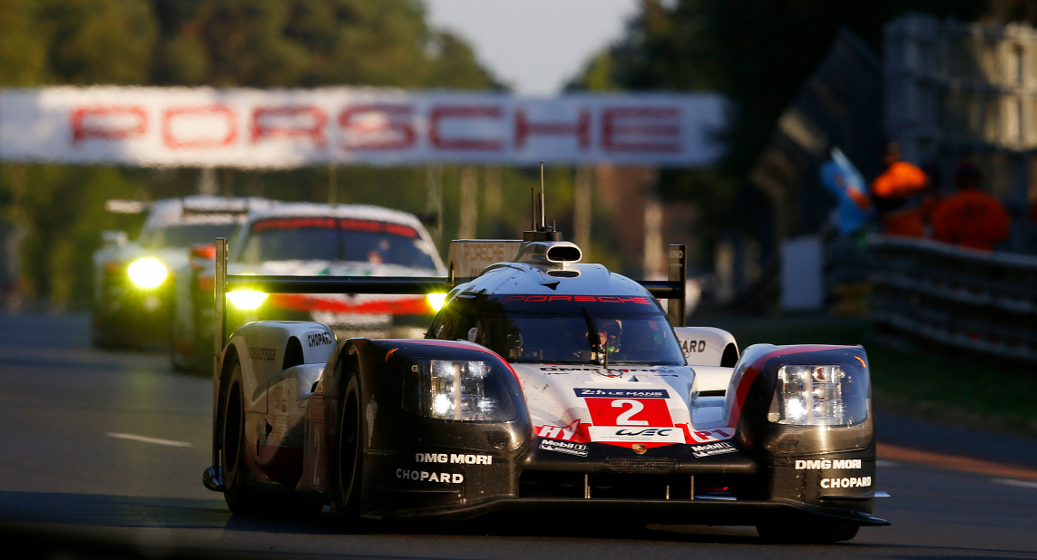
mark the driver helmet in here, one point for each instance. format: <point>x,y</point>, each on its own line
<point>610,334</point>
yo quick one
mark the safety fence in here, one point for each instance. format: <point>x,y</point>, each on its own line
<point>959,298</point>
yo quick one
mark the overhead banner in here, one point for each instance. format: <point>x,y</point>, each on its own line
<point>253,128</point>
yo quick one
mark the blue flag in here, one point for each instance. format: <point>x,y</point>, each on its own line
<point>845,182</point>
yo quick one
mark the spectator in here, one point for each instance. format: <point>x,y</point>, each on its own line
<point>970,217</point>
<point>897,195</point>
<point>934,194</point>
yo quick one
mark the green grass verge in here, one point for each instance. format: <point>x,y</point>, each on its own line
<point>920,382</point>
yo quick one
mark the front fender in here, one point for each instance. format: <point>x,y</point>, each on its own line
<point>413,461</point>
<point>824,465</point>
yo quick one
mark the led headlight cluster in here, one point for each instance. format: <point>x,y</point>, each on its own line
<point>436,301</point>
<point>469,391</point>
<point>147,272</point>
<point>246,299</point>
<point>819,395</point>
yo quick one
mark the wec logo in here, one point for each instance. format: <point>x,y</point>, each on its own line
<point>645,432</point>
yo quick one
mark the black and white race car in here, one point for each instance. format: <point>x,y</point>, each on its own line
<point>544,384</point>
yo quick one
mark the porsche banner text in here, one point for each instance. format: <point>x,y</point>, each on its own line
<point>362,126</point>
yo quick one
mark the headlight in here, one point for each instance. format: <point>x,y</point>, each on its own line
<point>469,391</point>
<point>246,299</point>
<point>436,301</point>
<point>819,395</point>
<point>147,272</point>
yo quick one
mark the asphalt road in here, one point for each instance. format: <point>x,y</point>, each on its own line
<point>102,454</point>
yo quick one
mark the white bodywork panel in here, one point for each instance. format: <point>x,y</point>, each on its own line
<point>261,349</point>
<point>703,346</point>
<point>623,405</point>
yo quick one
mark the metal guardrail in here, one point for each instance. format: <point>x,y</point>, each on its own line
<point>968,300</point>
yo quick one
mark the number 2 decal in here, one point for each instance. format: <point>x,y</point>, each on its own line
<point>629,412</point>
<point>624,419</point>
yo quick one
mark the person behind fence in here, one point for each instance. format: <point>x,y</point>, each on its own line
<point>898,195</point>
<point>970,217</point>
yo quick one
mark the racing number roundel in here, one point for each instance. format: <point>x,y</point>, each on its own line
<point>629,412</point>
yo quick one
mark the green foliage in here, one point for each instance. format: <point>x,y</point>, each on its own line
<point>22,49</point>
<point>91,42</point>
<point>220,43</point>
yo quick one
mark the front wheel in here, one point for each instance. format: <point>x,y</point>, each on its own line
<point>239,496</point>
<point>818,533</point>
<point>350,453</point>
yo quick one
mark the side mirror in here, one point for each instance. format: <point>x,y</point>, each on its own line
<point>113,238</point>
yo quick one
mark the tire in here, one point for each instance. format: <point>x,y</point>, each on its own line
<point>240,497</point>
<point>350,454</point>
<point>819,533</point>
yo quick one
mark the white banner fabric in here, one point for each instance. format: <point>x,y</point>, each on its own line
<point>253,128</point>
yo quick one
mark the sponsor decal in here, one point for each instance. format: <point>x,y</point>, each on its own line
<point>381,227</point>
<point>585,299</point>
<point>623,393</point>
<point>693,346</point>
<point>332,223</point>
<point>629,412</point>
<point>319,338</point>
<point>556,432</point>
<point>826,464</point>
<point>425,476</point>
<point>708,436</point>
<point>852,482</point>
<point>577,449</point>
<point>262,353</point>
<point>565,369</point>
<point>710,449</point>
<point>455,458</point>
<point>639,448</point>
<point>650,435</point>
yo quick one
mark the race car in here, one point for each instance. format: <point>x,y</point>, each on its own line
<point>544,385</point>
<point>311,239</point>
<point>132,299</point>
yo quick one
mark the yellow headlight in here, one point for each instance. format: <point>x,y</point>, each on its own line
<point>147,272</point>
<point>246,299</point>
<point>436,301</point>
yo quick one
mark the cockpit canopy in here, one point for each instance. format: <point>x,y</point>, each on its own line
<point>562,329</point>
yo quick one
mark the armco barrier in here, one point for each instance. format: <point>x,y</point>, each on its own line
<point>968,300</point>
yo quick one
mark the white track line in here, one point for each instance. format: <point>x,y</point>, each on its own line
<point>156,441</point>
<point>1014,482</point>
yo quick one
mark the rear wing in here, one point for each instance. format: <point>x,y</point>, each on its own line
<point>671,289</point>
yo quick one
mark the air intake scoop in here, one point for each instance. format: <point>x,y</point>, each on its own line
<point>549,252</point>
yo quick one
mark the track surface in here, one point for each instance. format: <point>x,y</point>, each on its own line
<point>103,454</point>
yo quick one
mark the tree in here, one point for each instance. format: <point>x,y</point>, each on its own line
<point>221,43</point>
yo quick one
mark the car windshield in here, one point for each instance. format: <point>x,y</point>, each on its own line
<point>577,330</point>
<point>335,239</point>
<point>185,235</point>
